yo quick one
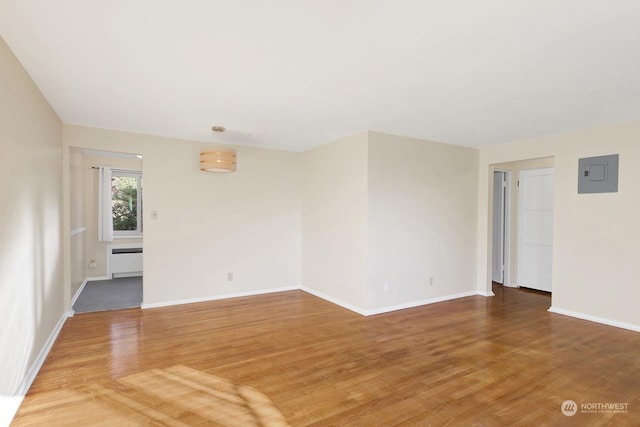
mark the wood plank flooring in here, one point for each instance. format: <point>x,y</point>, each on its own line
<point>293,359</point>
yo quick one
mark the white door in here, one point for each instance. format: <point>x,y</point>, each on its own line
<point>499,186</point>
<point>535,228</point>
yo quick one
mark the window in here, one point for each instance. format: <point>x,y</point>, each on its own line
<point>126,203</point>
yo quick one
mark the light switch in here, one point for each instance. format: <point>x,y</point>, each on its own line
<point>154,215</point>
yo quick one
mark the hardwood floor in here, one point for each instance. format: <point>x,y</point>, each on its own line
<point>293,359</point>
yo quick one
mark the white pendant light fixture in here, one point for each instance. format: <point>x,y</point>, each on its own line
<point>218,159</point>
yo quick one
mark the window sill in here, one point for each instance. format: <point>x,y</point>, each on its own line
<point>131,236</point>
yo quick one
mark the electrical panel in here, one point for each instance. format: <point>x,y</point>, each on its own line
<point>598,174</point>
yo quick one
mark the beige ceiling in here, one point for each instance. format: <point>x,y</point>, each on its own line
<point>293,74</point>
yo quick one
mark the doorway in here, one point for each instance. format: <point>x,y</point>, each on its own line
<point>105,193</point>
<point>509,244</point>
<point>535,228</point>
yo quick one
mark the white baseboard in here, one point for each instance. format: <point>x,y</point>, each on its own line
<point>78,292</point>
<point>9,406</point>
<point>217,297</point>
<point>124,275</point>
<point>485,293</point>
<point>324,296</point>
<point>419,303</point>
<point>39,360</point>
<point>596,319</point>
<point>334,300</point>
<point>93,279</point>
<point>389,308</point>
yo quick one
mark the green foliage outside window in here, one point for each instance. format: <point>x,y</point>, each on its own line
<point>124,198</point>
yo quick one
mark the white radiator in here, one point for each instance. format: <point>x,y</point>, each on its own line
<point>125,260</point>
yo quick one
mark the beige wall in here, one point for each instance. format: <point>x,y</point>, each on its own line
<point>208,225</point>
<point>76,199</point>
<point>595,265</point>
<point>77,262</point>
<point>334,219</point>
<point>422,199</point>
<point>95,250</point>
<point>77,255</point>
<point>515,168</point>
<point>31,278</point>
<point>380,208</point>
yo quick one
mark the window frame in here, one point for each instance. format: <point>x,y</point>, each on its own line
<point>129,234</point>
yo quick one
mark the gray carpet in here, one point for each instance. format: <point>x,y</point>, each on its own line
<point>101,295</point>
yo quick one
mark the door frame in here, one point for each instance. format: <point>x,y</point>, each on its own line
<point>506,234</point>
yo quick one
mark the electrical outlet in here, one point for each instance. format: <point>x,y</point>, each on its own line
<point>230,277</point>
<point>386,287</point>
<point>92,263</point>
<point>431,281</point>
